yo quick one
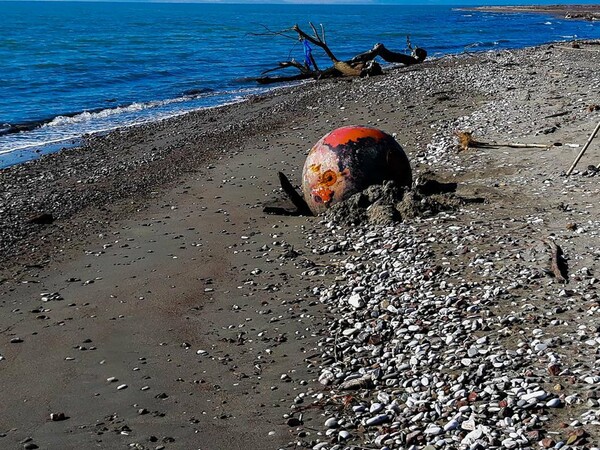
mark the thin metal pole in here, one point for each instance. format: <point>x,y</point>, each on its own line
<point>587,144</point>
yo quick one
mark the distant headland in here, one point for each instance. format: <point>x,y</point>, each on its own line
<point>574,12</point>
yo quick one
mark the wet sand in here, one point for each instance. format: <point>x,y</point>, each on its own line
<point>163,308</point>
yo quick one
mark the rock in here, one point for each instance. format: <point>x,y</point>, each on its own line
<point>509,443</point>
<point>377,420</point>
<point>537,395</point>
<point>451,425</point>
<point>412,437</point>
<point>547,443</point>
<point>326,378</point>
<point>356,301</point>
<point>473,436</point>
<point>343,435</point>
<point>433,430</point>
<point>375,408</point>
<point>357,383</point>
<point>331,423</point>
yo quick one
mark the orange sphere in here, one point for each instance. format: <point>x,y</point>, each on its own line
<point>347,161</point>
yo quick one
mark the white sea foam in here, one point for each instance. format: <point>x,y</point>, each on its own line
<point>64,130</point>
<point>87,116</point>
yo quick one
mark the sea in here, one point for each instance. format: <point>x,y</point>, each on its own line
<point>68,69</point>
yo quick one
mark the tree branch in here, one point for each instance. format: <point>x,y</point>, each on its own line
<point>361,65</point>
<point>316,40</point>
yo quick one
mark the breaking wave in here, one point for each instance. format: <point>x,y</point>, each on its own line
<point>69,126</point>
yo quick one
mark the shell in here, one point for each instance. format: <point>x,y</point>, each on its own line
<point>347,161</point>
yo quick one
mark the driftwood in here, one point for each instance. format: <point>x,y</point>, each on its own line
<point>294,196</point>
<point>585,147</point>
<point>557,262</point>
<point>361,65</point>
<point>467,141</point>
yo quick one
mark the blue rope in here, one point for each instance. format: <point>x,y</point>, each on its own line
<point>307,53</point>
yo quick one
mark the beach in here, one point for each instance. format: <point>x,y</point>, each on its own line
<point>148,301</point>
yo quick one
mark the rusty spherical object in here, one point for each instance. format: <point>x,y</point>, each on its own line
<point>347,161</point>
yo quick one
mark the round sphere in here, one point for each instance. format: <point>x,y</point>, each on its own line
<point>347,161</point>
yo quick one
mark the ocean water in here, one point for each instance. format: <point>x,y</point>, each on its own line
<point>71,68</point>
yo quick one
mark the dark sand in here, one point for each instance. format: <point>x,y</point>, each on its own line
<point>171,278</point>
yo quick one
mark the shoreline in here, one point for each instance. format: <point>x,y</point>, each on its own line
<point>572,12</point>
<point>76,140</point>
<point>163,308</point>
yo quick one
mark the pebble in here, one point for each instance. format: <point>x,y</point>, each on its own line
<point>356,301</point>
<point>537,395</point>
<point>331,423</point>
<point>376,407</point>
<point>377,420</point>
<point>344,434</point>
<point>451,425</point>
<point>433,430</point>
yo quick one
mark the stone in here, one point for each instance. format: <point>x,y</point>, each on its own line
<point>57,417</point>
<point>375,408</point>
<point>331,423</point>
<point>344,435</point>
<point>433,430</point>
<point>356,301</point>
<point>377,420</point>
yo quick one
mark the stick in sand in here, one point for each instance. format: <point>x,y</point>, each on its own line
<point>587,144</point>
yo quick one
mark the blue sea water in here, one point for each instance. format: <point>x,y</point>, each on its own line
<point>70,68</point>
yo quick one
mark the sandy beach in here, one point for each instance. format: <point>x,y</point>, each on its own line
<point>160,307</point>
